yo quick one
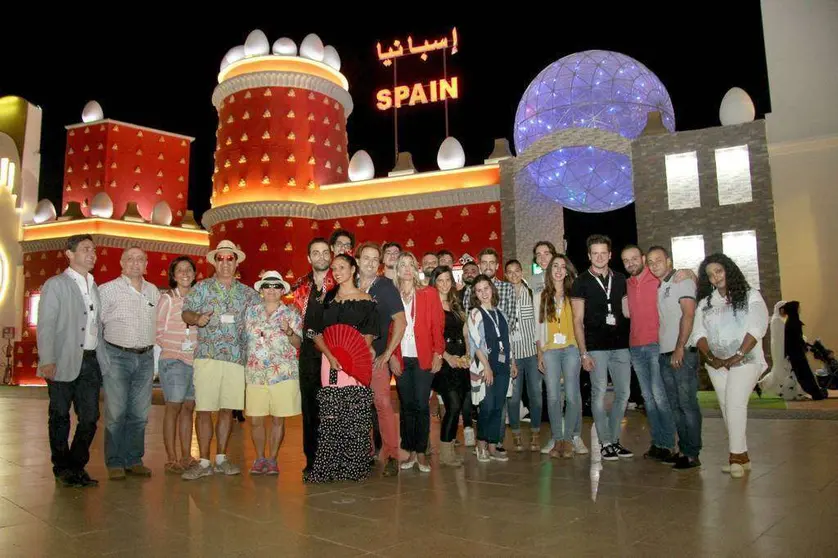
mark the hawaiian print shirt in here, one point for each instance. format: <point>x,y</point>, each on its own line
<point>271,358</point>
<point>223,337</point>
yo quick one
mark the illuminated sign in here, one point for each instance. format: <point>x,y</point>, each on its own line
<point>437,90</point>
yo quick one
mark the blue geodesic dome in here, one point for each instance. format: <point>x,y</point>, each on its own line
<point>591,89</point>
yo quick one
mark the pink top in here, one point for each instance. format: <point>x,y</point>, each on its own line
<point>172,333</point>
<point>643,307</point>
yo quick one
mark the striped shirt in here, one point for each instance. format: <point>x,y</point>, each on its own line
<point>177,340</point>
<point>129,317</point>
<point>523,336</point>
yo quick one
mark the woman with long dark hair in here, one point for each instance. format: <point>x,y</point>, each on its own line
<point>345,400</point>
<point>730,321</point>
<point>796,348</point>
<point>452,380</point>
<point>558,358</point>
<point>177,341</point>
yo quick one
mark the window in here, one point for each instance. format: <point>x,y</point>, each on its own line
<point>741,247</point>
<point>733,175</point>
<point>687,251</point>
<point>682,180</point>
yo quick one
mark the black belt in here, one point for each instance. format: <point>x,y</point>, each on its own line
<point>136,351</point>
<point>89,353</point>
<point>687,350</point>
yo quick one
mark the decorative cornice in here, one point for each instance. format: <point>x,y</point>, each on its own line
<point>415,202</point>
<point>573,137</point>
<point>135,126</point>
<point>29,246</point>
<point>282,79</point>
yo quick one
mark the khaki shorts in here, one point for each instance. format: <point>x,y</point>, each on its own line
<point>277,400</point>
<point>218,385</point>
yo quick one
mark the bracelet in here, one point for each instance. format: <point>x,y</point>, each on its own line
<point>739,353</point>
<point>585,355</point>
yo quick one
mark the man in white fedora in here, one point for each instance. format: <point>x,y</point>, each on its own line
<point>217,306</point>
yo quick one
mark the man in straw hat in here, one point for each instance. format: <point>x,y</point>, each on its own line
<point>217,306</point>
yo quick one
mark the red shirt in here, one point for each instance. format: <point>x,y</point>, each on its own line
<point>643,307</point>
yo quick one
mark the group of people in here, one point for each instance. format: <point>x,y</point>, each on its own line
<point>328,347</point>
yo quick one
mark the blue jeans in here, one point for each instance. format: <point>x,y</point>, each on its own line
<point>127,402</point>
<point>561,373</point>
<point>618,362</point>
<point>527,371</point>
<point>646,362</point>
<point>491,409</point>
<point>682,392</point>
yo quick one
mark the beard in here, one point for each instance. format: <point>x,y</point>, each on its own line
<point>320,266</point>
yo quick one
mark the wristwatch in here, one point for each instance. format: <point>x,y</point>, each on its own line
<point>739,353</point>
<point>585,355</point>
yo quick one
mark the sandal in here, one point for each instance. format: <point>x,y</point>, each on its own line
<point>173,468</point>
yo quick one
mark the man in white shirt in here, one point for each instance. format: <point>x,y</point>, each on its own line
<point>129,311</point>
<point>68,341</point>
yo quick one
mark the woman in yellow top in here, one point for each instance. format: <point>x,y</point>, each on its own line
<point>558,357</point>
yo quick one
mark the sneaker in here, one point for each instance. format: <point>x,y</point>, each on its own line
<point>197,471</point>
<point>621,451</point>
<point>483,455</point>
<point>683,463</point>
<point>469,437</point>
<point>500,450</point>
<point>259,466</point>
<point>227,468</point>
<point>116,473</point>
<point>665,453</point>
<point>652,453</point>
<point>271,468</point>
<point>497,455</point>
<point>672,459</point>
<point>579,446</point>
<point>727,468</point>
<point>548,447</point>
<point>609,453</point>
<point>138,470</point>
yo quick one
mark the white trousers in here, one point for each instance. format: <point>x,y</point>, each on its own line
<point>733,388</point>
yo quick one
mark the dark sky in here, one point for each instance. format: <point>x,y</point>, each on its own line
<point>159,70</point>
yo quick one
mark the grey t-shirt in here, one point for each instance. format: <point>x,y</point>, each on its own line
<point>670,294</point>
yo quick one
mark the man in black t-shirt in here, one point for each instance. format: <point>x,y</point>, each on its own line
<point>390,310</point>
<point>601,326</point>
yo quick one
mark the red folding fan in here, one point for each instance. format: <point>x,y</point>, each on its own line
<point>351,351</point>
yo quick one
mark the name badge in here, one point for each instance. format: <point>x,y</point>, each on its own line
<point>186,345</point>
<point>228,318</point>
<point>559,339</point>
<point>611,320</point>
<point>502,358</point>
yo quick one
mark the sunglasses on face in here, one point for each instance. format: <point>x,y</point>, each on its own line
<point>230,258</point>
<point>276,286</point>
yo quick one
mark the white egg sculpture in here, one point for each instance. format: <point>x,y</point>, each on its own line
<point>257,44</point>
<point>312,47</point>
<point>161,214</point>
<point>331,57</point>
<point>233,55</point>
<point>92,112</point>
<point>44,212</point>
<point>361,166</point>
<point>736,108</point>
<point>101,206</point>
<point>451,155</point>
<point>284,47</point>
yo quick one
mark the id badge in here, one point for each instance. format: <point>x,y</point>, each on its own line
<point>186,345</point>
<point>502,358</point>
<point>228,318</point>
<point>559,339</point>
<point>611,320</point>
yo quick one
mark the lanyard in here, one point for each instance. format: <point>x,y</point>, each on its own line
<point>607,291</point>
<point>559,307</point>
<point>226,298</point>
<point>495,320</point>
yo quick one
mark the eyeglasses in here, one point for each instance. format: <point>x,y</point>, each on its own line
<point>230,258</point>
<point>343,245</point>
<point>273,286</point>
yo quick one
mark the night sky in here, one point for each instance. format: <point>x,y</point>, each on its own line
<point>159,71</point>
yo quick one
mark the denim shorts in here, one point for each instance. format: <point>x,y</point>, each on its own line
<point>176,378</point>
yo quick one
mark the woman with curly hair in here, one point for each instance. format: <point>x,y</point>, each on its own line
<point>730,321</point>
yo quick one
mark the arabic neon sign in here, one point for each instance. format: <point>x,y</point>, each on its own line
<point>438,90</point>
